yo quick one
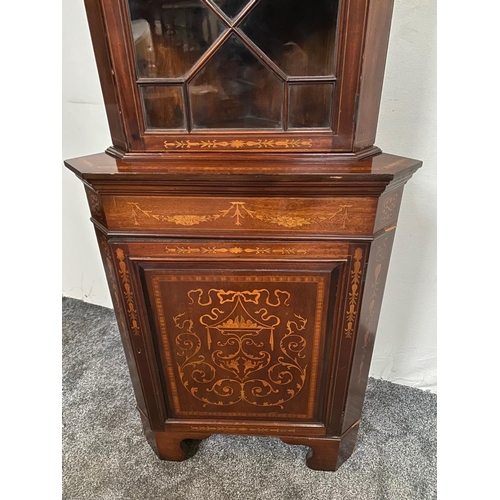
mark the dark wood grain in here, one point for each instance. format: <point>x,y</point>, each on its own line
<point>246,267</point>
<point>170,446</point>
<point>372,72</point>
<point>361,46</point>
<point>174,291</point>
<point>241,340</point>
<point>121,314</point>
<point>345,339</point>
<point>327,453</point>
<point>106,73</point>
<point>241,215</point>
<point>376,275</point>
<point>307,172</point>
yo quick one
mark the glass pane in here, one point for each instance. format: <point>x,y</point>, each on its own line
<point>171,35</point>
<point>163,107</point>
<point>234,90</point>
<point>310,105</point>
<point>231,7</point>
<point>298,37</point>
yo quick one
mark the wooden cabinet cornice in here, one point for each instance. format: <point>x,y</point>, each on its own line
<point>244,216</point>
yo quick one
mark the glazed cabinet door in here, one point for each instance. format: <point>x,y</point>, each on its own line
<point>241,330</point>
<point>241,75</point>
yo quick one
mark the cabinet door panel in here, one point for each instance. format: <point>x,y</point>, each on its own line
<point>242,330</point>
<point>232,100</point>
<point>243,342</point>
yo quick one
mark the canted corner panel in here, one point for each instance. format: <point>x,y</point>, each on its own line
<point>110,274</point>
<point>388,208</point>
<point>347,326</point>
<point>120,312</point>
<point>245,345</point>
<point>319,216</point>
<point>95,206</point>
<point>369,315</point>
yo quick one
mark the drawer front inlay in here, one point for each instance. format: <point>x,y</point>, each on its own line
<point>339,215</point>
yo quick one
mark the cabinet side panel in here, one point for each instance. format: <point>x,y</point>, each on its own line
<point>388,208</point>
<point>372,72</point>
<point>105,70</point>
<point>120,317</point>
<point>376,276</point>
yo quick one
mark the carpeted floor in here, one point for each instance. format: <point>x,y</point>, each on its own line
<point>105,455</point>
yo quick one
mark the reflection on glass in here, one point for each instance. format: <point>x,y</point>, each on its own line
<point>171,35</point>
<point>163,107</point>
<point>310,105</point>
<point>298,37</point>
<point>231,7</point>
<point>235,90</point>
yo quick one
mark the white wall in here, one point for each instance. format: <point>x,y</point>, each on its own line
<point>405,350</point>
<point>85,131</point>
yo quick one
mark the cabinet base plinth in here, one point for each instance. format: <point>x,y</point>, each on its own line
<point>326,453</point>
<point>176,446</point>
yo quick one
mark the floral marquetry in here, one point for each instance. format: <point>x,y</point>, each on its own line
<point>243,212</point>
<point>297,74</point>
<point>345,215</point>
<point>248,343</point>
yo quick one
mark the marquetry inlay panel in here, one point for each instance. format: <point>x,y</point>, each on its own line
<point>124,273</point>
<point>95,204</point>
<point>238,144</point>
<point>353,294</point>
<point>388,208</point>
<point>373,300</point>
<point>237,250</point>
<point>241,345</point>
<point>333,215</point>
<point>110,273</point>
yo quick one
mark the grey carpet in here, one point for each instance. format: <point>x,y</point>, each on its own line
<point>106,457</point>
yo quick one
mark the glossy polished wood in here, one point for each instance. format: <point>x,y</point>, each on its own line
<point>315,169</point>
<point>339,57</point>
<point>378,25</point>
<point>244,217</point>
<point>247,300</point>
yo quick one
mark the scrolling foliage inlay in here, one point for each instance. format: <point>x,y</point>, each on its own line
<point>238,144</point>
<point>127,290</point>
<point>245,362</point>
<point>352,310</point>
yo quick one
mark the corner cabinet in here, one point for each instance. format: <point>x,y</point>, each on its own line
<point>247,302</point>
<point>240,76</point>
<point>244,215</point>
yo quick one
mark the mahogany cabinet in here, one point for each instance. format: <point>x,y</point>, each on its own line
<point>244,216</point>
<point>240,76</point>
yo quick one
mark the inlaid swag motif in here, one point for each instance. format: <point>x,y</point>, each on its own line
<point>241,213</point>
<point>253,357</point>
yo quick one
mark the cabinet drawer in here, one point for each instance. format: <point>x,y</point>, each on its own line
<point>240,215</point>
